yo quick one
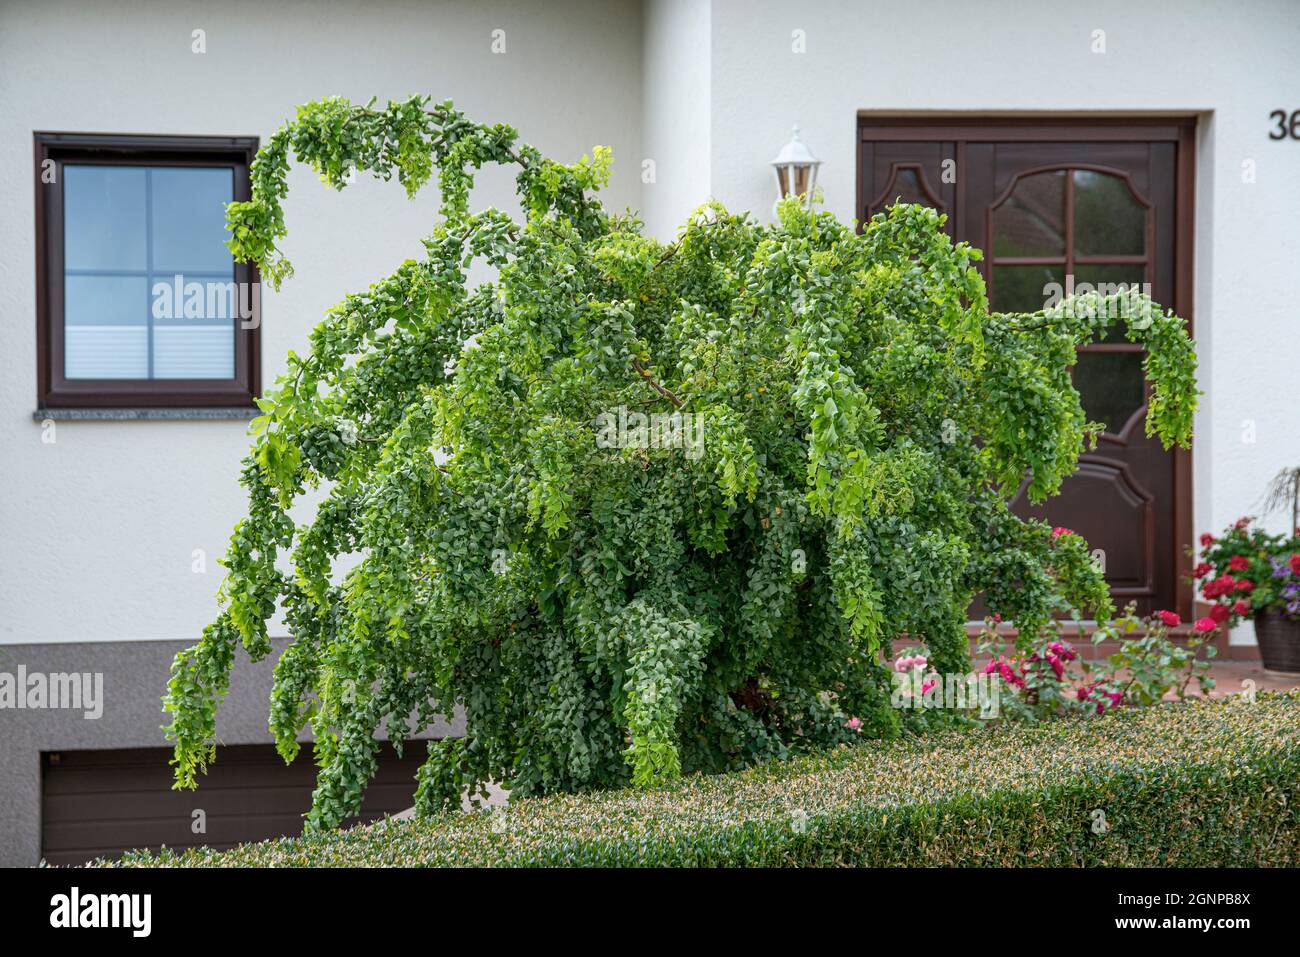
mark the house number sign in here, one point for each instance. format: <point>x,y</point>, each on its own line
<point>1286,125</point>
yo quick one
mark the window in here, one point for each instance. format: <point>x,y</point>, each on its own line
<point>140,303</point>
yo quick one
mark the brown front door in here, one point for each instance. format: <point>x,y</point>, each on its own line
<point>1056,205</point>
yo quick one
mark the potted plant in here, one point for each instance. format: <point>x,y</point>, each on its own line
<point>1250,574</point>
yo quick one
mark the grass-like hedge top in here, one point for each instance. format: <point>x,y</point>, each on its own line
<point>715,818</point>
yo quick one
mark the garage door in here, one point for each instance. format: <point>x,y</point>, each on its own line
<point>101,803</point>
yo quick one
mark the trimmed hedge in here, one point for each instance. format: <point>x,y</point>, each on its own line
<point>1204,783</point>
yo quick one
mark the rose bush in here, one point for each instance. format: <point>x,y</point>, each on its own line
<point>1044,675</point>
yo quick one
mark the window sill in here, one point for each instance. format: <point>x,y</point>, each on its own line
<point>238,413</point>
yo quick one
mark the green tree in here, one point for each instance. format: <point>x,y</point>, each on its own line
<point>608,599</point>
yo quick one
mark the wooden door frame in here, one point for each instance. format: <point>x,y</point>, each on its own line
<point>1178,128</point>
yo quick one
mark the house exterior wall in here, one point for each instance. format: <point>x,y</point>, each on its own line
<point>676,109</point>
<point>99,528</point>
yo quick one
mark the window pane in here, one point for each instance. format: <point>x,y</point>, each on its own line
<point>104,217</point>
<point>129,232</point>
<point>1026,288</point>
<point>905,188</point>
<point>1032,220</point>
<point>1108,221</point>
<point>194,351</point>
<point>189,219</point>
<point>1110,386</point>
<point>106,329</point>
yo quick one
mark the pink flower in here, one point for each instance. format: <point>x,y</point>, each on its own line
<point>929,683</point>
<point>910,661</point>
<point>1206,625</point>
<point>1061,530</point>
<point>1169,619</point>
<point>854,724</point>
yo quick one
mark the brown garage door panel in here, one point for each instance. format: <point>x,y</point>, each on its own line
<point>101,803</point>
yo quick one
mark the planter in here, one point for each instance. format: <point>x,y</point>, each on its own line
<point>1279,642</point>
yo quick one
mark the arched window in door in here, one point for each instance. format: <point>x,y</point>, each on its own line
<point>1074,228</point>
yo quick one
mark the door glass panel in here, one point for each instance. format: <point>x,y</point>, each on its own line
<point>1110,386</point>
<point>1032,220</point>
<point>905,187</point>
<point>1108,221</point>
<point>1024,288</point>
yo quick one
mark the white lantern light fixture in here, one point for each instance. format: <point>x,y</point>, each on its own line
<point>796,170</point>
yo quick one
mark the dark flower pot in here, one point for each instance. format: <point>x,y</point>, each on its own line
<point>1279,641</point>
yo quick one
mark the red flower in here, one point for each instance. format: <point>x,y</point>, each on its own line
<point>1062,651</point>
<point>1206,625</point>
<point>1207,540</point>
<point>1114,697</point>
<point>1169,619</point>
<point>1238,563</point>
<point>1222,585</point>
<point>1241,607</point>
<point>1246,586</point>
<point>1220,614</point>
<point>1242,522</point>
<point>1295,560</point>
<point>1061,530</point>
<point>1001,667</point>
<point>1203,569</point>
<point>1057,668</point>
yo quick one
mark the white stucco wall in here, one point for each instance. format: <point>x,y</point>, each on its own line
<point>676,104</point>
<point>97,529</point>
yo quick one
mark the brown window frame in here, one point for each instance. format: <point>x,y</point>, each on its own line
<point>53,389</point>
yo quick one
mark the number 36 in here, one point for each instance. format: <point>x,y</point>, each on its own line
<point>1285,127</point>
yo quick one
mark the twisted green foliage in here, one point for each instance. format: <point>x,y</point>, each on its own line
<point>607,613</point>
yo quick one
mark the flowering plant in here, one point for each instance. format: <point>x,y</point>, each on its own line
<point>1246,571</point>
<point>1045,674</point>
